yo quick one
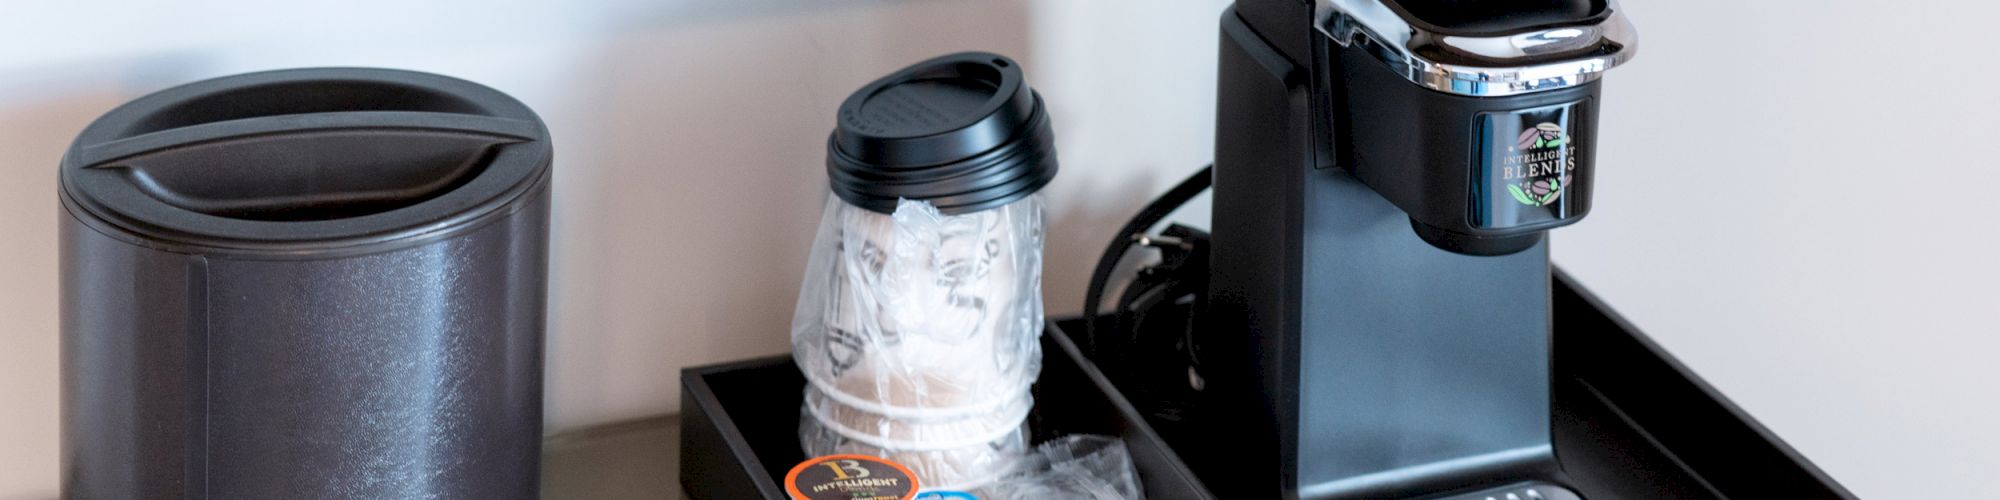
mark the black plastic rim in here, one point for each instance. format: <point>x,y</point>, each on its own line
<point>96,191</point>
<point>1475,245</point>
<point>963,132</point>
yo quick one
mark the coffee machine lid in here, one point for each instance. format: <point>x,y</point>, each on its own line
<point>1485,48</point>
<point>306,162</point>
<point>963,132</point>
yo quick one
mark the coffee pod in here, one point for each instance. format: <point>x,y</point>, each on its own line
<point>849,477</point>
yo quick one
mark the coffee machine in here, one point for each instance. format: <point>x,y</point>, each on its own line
<point>1375,320</point>
<point>1386,172</point>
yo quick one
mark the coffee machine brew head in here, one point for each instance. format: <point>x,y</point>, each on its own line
<point>1475,117</point>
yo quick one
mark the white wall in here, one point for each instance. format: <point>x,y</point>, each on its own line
<point>1799,200</point>
<point>1793,196</point>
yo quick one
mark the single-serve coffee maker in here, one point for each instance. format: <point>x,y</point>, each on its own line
<point>1386,172</point>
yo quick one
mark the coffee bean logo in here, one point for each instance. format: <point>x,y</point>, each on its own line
<point>1539,193</point>
<point>1544,135</point>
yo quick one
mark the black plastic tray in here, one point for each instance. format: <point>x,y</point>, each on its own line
<point>739,429</point>
<point>1631,422</point>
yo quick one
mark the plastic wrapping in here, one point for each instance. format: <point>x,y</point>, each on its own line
<point>1071,467</point>
<point>929,433</point>
<point>954,468</point>
<point>921,314</point>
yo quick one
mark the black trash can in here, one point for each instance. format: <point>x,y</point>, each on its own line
<point>320,283</point>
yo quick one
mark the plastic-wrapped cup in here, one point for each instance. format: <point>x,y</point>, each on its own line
<point>965,467</point>
<point>923,312</point>
<point>922,293</point>
<point>919,318</point>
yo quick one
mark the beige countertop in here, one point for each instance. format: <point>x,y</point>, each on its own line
<point>638,459</point>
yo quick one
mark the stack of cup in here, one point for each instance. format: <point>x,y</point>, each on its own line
<point>919,319</point>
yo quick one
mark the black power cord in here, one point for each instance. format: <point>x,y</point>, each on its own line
<point>1133,233</point>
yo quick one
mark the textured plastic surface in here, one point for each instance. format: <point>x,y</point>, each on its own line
<point>917,332</point>
<point>921,314</point>
<point>1082,467</point>
<point>962,132</point>
<point>917,434</point>
<point>306,284</point>
<point>954,468</point>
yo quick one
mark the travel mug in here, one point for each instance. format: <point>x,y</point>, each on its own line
<point>320,283</point>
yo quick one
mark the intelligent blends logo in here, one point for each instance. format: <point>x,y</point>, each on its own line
<point>1537,168</point>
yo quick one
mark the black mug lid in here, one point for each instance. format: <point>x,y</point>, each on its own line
<point>963,132</point>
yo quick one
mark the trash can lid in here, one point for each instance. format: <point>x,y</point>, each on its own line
<point>306,162</point>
